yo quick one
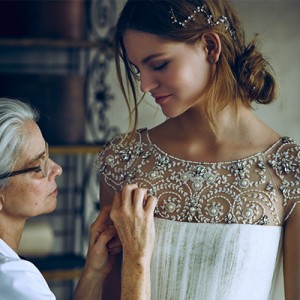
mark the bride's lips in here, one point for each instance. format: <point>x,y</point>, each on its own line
<point>159,99</point>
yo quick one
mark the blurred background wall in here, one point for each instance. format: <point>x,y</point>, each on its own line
<point>50,71</point>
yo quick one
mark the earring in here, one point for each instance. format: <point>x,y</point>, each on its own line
<point>211,59</point>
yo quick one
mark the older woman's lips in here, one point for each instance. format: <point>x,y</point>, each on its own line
<point>54,193</point>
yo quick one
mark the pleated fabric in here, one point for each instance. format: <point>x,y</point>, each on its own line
<point>202,261</point>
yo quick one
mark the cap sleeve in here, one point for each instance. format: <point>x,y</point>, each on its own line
<point>108,164</point>
<point>286,163</point>
<point>117,161</point>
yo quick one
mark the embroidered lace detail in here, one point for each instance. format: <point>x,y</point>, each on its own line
<point>262,189</point>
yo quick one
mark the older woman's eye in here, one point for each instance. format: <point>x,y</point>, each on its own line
<point>37,170</point>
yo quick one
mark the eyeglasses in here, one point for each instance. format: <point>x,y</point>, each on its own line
<point>43,167</point>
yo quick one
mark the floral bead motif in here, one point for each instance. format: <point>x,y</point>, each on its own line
<point>242,191</point>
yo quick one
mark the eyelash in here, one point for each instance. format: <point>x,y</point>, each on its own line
<point>160,67</point>
<point>136,72</point>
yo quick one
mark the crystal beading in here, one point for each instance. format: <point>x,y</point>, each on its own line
<point>223,20</point>
<point>261,189</point>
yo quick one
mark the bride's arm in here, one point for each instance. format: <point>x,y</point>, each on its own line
<point>291,256</point>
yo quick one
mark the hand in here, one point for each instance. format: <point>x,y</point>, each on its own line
<point>114,245</point>
<point>99,258</point>
<point>99,261</point>
<point>133,216</point>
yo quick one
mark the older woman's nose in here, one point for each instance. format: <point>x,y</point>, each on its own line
<point>55,168</point>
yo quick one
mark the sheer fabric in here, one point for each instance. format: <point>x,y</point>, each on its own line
<point>219,225</point>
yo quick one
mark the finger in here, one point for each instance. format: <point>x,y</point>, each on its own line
<point>139,197</point>
<point>116,201</point>
<point>115,206</point>
<point>94,235</point>
<point>127,195</point>
<point>151,203</point>
<point>114,242</point>
<point>105,237</point>
<point>103,216</point>
<point>99,225</point>
<point>115,250</point>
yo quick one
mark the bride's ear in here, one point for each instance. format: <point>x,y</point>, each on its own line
<point>212,43</point>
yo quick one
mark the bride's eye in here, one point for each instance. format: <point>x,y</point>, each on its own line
<point>160,66</point>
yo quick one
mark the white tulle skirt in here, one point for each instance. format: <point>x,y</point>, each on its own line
<point>214,261</point>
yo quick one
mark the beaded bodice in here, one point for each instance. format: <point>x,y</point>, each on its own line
<point>262,189</point>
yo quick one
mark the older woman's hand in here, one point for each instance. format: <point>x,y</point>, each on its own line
<point>99,259</point>
<point>132,214</point>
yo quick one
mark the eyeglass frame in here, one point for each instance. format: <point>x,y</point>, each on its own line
<point>43,167</point>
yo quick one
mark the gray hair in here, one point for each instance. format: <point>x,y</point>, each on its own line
<point>14,114</point>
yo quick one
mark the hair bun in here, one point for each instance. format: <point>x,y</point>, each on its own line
<point>253,75</point>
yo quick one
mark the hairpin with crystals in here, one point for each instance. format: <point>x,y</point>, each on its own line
<point>209,18</point>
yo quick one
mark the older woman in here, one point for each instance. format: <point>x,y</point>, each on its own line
<point>28,188</point>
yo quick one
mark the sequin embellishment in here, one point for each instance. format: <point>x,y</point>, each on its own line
<point>242,191</point>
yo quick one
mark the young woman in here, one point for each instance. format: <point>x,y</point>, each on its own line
<point>227,185</point>
<point>28,188</point>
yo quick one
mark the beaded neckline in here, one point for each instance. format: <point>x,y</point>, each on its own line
<point>261,189</point>
<point>210,163</point>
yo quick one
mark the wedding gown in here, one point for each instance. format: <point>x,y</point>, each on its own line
<point>219,226</point>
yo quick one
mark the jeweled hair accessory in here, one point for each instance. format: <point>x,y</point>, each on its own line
<point>209,18</point>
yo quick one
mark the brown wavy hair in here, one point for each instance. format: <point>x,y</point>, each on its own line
<point>242,75</point>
